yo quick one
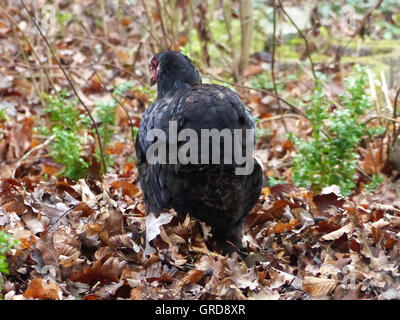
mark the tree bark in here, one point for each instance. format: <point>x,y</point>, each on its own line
<point>246,24</point>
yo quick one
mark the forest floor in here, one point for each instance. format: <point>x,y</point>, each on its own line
<point>92,239</point>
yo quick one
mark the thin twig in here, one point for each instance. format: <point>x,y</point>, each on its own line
<point>383,118</point>
<point>246,26</point>
<point>269,93</point>
<point>395,132</point>
<point>233,52</point>
<point>384,88</point>
<point>286,115</point>
<point>308,53</point>
<point>374,164</point>
<point>366,17</point>
<point>166,42</point>
<point>152,29</point>
<point>70,83</point>
<point>104,14</point>
<point>109,91</point>
<point>116,99</point>
<point>54,224</point>
<point>26,155</point>
<point>363,22</point>
<point>273,70</point>
<point>26,59</point>
<point>15,25</point>
<point>324,87</point>
<point>293,107</point>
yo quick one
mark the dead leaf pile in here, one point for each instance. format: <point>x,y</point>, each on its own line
<point>88,240</point>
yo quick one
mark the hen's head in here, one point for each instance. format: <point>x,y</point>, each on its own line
<point>172,70</point>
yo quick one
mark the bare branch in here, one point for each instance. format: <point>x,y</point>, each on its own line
<point>246,24</point>
<point>26,155</point>
<point>308,53</point>
<point>273,70</point>
<point>70,83</point>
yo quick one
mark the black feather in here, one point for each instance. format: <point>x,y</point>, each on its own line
<point>212,193</point>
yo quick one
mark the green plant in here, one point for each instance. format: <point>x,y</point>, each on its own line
<point>67,124</point>
<point>135,131</point>
<point>6,244</point>
<point>260,132</point>
<point>262,81</point>
<point>2,118</point>
<point>105,114</point>
<point>272,181</point>
<point>150,93</point>
<point>330,159</point>
<point>64,18</point>
<point>376,180</point>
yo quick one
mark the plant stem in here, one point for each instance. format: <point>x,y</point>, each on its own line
<point>246,24</point>
<point>308,53</point>
<point>70,83</point>
<point>273,70</point>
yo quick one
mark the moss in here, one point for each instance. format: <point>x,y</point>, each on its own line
<point>376,46</point>
<point>286,52</point>
<point>377,62</point>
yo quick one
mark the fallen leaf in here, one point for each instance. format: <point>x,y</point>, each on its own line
<point>153,224</point>
<point>128,189</point>
<point>44,290</point>
<point>338,233</point>
<point>318,287</point>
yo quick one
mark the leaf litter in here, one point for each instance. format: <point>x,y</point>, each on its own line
<point>93,240</point>
<point>84,244</point>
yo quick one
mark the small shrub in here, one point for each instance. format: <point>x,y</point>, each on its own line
<point>272,181</point>
<point>6,244</point>
<point>105,115</point>
<point>376,180</point>
<point>326,160</point>
<point>67,125</point>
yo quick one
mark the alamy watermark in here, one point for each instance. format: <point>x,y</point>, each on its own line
<point>187,147</point>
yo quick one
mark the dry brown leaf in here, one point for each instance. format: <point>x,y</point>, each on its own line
<point>46,248</point>
<point>205,251</point>
<point>128,189</point>
<point>69,261</point>
<point>49,169</point>
<point>324,202</point>
<point>116,148</point>
<point>85,209</point>
<point>95,83</point>
<point>126,248</point>
<point>193,276</point>
<point>319,287</point>
<point>16,206</point>
<point>281,227</point>
<point>44,290</point>
<point>334,235</point>
<point>153,224</point>
<point>94,228</point>
<point>271,211</point>
<point>328,267</point>
<point>137,294</point>
<point>104,273</point>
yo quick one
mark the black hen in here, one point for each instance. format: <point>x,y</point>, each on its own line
<point>213,193</point>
